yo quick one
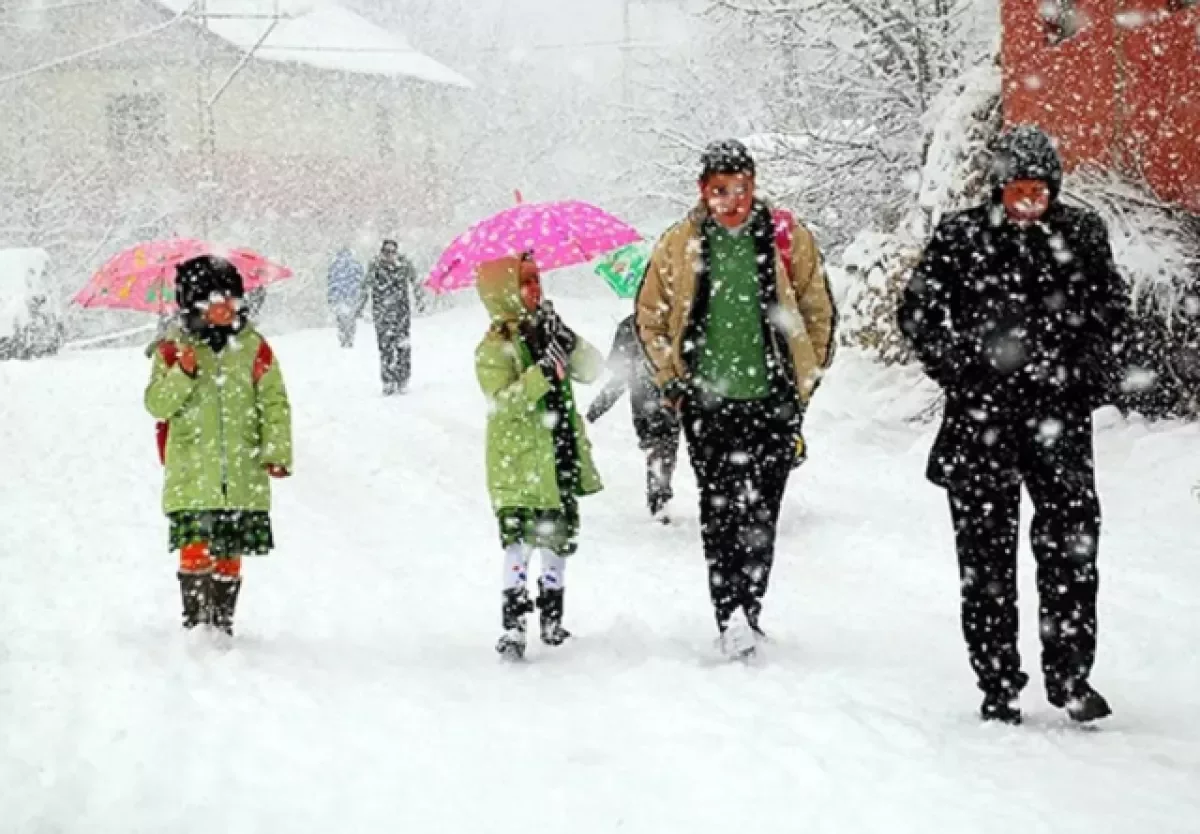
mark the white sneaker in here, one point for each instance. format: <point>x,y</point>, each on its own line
<point>738,640</point>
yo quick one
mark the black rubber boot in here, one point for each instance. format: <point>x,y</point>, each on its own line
<point>1082,703</point>
<point>1001,706</point>
<point>551,603</point>
<point>224,602</point>
<point>513,609</point>
<point>196,591</point>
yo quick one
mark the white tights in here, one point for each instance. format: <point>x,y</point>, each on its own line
<point>516,567</point>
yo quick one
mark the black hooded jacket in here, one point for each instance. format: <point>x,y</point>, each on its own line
<point>1020,318</point>
<point>1022,325</point>
<point>630,370</point>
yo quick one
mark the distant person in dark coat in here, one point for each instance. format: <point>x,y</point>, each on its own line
<point>1016,310</point>
<point>389,283</point>
<point>656,425</point>
<point>346,294</point>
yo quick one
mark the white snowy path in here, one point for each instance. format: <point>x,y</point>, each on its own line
<point>363,695</point>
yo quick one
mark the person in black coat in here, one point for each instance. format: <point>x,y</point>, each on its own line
<point>389,285</point>
<point>1017,311</point>
<point>656,425</point>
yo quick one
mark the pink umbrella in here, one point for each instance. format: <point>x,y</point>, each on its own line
<point>143,277</point>
<point>559,234</point>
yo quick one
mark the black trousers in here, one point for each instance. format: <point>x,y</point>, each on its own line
<point>1057,469</point>
<point>742,455</point>
<point>662,454</point>
<point>393,332</point>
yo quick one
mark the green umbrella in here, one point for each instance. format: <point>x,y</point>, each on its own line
<point>623,268</point>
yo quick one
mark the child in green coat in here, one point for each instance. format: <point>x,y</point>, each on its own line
<point>225,429</point>
<point>539,459</point>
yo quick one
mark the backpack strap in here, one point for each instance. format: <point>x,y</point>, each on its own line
<point>784,221</point>
<point>262,361</point>
<point>169,351</point>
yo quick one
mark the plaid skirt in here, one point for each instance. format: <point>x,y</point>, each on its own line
<point>553,530</point>
<point>227,533</point>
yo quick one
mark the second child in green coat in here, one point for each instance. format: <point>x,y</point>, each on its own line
<point>539,459</point>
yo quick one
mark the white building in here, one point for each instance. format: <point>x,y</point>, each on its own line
<point>317,134</point>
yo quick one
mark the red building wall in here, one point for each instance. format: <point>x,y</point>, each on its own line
<point>1121,91</point>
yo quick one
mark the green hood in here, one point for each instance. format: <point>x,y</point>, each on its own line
<point>499,285</point>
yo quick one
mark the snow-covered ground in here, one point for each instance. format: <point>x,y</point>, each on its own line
<point>362,693</point>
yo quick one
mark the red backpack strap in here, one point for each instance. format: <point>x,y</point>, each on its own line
<point>162,430</point>
<point>262,361</point>
<point>169,351</point>
<point>784,221</point>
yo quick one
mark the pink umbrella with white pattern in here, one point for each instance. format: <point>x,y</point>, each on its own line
<point>559,234</point>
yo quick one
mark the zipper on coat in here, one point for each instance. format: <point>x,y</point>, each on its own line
<point>220,382</point>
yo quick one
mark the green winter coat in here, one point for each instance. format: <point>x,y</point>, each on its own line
<point>224,429</point>
<point>521,467</point>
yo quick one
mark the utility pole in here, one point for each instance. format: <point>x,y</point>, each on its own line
<point>206,102</point>
<point>206,139</point>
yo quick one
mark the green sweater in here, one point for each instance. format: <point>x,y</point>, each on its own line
<point>733,360</point>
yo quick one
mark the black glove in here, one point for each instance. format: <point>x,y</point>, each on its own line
<point>674,392</point>
<point>553,329</point>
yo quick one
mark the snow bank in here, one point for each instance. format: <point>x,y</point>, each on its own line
<point>22,277</point>
<point>960,123</point>
<point>320,34</point>
<point>1152,244</point>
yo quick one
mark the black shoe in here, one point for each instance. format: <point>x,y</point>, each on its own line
<point>657,502</point>
<point>516,604</point>
<point>224,602</point>
<point>196,591</point>
<point>1082,703</point>
<point>551,604</point>
<point>1001,706</point>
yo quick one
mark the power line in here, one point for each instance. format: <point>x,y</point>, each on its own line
<point>58,62</point>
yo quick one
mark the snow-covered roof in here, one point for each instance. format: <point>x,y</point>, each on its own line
<point>319,33</point>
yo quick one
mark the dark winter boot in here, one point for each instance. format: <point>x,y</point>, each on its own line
<point>657,501</point>
<point>1001,706</point>
<point>551,602</point>
<point>1082,703</point>
<point>196,590</point>
<point>224,602</point>
<point>515,606</point>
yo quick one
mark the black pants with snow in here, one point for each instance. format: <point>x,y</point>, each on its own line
<point>742,455</point>
<point>1058,471</point>
<point>392,330</point>
<point>662,453</point>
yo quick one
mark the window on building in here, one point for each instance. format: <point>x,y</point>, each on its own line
<point>136,123</point>
<point>1062,19</point>
<point>385,132</point>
